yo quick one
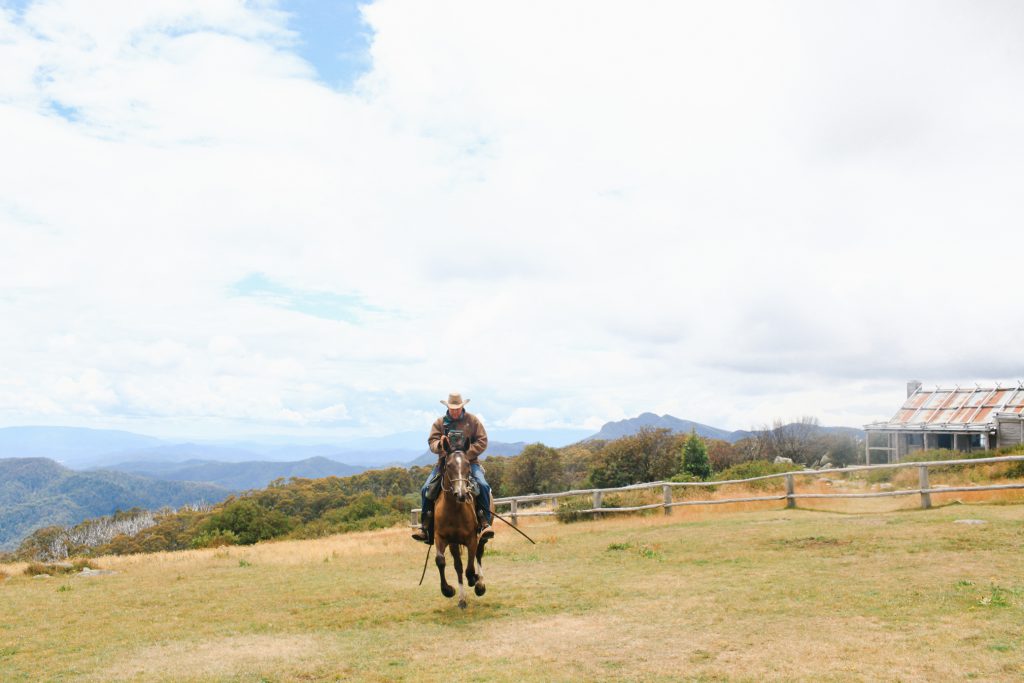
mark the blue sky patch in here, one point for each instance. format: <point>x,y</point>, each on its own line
<point>319,304</point>
<point>332,37</point>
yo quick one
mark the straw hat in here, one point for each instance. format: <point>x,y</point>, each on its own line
<point>454,401</point>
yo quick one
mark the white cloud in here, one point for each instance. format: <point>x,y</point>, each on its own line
<point>572,211</point>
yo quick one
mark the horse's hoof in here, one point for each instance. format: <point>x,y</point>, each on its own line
<point>471,579</point>
<point>480,589</point>
<point>447,591</point>
<point>462,604</point>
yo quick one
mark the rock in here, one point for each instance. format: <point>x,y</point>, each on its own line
<point>63,565</point>
<point>887,486</point>
<point>41,576</point>
<point>779,459</point>
<point>96,572</point>
<point>970,521</point>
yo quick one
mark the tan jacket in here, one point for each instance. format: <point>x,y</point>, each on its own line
<point>474,430</point>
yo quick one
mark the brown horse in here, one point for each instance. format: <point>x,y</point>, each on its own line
<point>455,526</point>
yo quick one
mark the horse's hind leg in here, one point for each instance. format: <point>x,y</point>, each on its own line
<point>446,590</point>
<point>457,559</point>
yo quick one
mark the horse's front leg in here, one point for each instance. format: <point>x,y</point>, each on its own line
<point>457,559</point>
<point>471,575</point>
<point>446,590</point>
<point>478,555</point>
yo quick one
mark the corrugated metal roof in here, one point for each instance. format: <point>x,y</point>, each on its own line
<point>955,409</point>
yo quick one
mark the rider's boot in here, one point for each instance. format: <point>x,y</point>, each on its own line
<point>425,534</point>
<point>485,532</point>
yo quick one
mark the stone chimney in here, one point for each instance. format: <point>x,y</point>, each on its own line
<point>912,386</point>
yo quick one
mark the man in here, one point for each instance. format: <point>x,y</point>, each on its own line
<point>456,430</point>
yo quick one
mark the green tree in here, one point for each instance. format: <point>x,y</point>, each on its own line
<point>648,455</point>
<point>248,521</point>
<point>695,457</point>
<point>538,469</point>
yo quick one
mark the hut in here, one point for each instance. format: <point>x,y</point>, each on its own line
<point>960,419</point>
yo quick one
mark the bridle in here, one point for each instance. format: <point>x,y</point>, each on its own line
<point>457,485</point>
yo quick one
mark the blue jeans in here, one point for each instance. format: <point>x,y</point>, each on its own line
<point>483,499</point>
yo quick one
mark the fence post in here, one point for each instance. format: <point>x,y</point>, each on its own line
<point>515,509</point>
<point>668,499</point>
<point>926,498</point>
<point>597,500</point>
<point>790,500</point>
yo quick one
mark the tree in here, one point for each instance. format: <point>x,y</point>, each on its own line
<point>794,441</point>
<point>648,455</point>
<point>695,457</point>
<point>538,469</point>
<point>722,455</point>
<point>249,521</point>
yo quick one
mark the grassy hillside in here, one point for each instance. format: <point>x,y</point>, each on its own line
<point>37,492</point>
<point>702,595</point>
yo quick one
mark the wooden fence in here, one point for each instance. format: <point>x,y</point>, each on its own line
<point>790,496</point>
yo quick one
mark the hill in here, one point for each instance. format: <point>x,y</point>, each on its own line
<point>38,492</point>
<point>72,446</point>
<point>494,448</point>
<point>238,476</point>
<point>616,430</point>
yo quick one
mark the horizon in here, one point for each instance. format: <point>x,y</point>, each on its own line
<point>313,218</point>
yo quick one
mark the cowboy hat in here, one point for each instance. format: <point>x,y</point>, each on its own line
<point>454,401</point>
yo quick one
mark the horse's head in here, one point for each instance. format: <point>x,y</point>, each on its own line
<point>456,471</point>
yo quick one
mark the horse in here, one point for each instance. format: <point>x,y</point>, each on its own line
<point>455,525</point>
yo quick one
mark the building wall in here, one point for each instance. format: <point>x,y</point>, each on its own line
<point>1011,432</point>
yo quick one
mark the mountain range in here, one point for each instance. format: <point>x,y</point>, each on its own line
<point>237,476</point>
<point>617,430</point>
<point>42,481</point>
<point>38,492</point>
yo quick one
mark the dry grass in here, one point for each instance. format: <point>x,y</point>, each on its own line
<point>731,592</point>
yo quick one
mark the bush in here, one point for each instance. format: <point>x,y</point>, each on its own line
<point>249,521</point>
<point>759,468</point>
<point>215,538</point>
<point>570,509</point>
<point>1016,470</point>
<point>36,568</point>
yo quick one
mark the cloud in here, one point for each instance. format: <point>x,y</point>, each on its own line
<point>569,211</point>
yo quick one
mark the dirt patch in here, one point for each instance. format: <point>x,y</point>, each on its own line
<point>216,659</point>
<point>810,542</point>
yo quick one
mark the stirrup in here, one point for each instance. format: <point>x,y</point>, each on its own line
<point>485,533</point>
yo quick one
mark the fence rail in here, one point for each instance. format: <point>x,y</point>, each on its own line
<point>791,496</point>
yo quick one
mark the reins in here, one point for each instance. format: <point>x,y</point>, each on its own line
<point>452,482</point>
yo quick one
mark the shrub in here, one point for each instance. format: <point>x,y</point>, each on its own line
<point>249,521</point>
<point>36,568</point>
<point>1016,470</point>
<point>215,538</point>
<point>569,510</point>
<point>759,468</point>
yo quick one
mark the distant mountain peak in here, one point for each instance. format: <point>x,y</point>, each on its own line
<point>630,426</point>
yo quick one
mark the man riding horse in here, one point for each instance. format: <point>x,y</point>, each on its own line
<point>456,430</point>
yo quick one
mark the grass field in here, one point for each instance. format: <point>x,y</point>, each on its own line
<point>723,594</point>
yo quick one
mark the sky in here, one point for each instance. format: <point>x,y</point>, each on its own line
<point>224,218</point>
